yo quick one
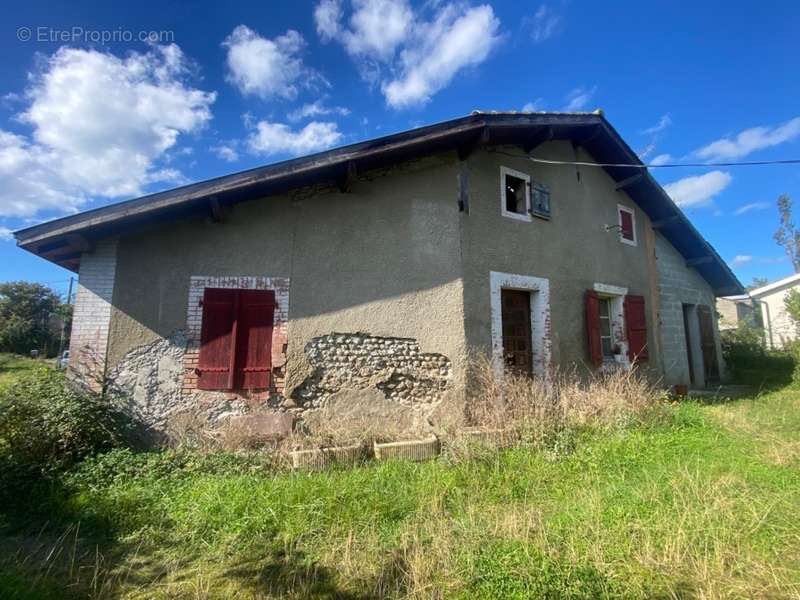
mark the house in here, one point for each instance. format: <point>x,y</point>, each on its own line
<point>779,328</point>
<point>369,272</point>
<point>736,310</point>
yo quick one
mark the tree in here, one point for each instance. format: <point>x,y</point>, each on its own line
<point>30,317</point>
<point>792,303</point>
<point>757,283</point>
<point>786,235</point>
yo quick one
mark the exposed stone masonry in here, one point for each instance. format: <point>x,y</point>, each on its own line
<point>395,366</point>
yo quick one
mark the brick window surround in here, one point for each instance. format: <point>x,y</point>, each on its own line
<point>194,326</point>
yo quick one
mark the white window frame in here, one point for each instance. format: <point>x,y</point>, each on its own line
<point>616,303</point>
<point>539,288</point>
<point>527,179</point>
<point>620,209</point>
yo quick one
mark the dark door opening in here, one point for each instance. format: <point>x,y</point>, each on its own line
<point>708,346</point>
<point>687,314</point>
<point>516,317</point>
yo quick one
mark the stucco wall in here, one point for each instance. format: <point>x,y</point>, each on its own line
<point>572,250</point>
<point>382,260</point>
<point>679,285</point>
<point>779,326</point>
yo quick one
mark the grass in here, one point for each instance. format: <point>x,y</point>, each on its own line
<point>700,501</point>
<point>13,365</point>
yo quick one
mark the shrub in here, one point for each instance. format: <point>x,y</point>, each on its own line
<point>748,362</point>
<point>47,424</point>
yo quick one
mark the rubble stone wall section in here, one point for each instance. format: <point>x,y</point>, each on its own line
<point>395,366</point>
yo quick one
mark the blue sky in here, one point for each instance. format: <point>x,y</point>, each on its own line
<point>90,115</point>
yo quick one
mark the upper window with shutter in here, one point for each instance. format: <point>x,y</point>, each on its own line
<point>515,194</point>
<point>522,199</point>
<point>627,225</point>
<point>236,339</point>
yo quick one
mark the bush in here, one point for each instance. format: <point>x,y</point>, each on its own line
<point>748,362</point>
<point>47,424</point>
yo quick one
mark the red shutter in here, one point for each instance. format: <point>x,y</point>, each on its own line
<point>593,328</point>
<point>626,224</point>
<point>254,340</point>
<point>636,327</point>
<point>217,339</point>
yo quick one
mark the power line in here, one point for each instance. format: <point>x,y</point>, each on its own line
<point>747,163</point>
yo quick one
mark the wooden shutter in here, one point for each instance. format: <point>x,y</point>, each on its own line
<point>636,327</point>
<point>254,339</point>
<point>593,328</point>
<point>217,339</point>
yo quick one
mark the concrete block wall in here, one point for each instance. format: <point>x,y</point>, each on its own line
<point>92,313</point>
<point>678,285</point>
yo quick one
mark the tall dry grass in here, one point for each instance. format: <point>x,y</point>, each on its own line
<point>511,400</point>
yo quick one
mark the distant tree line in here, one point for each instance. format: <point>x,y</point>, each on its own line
<point>32,317</point>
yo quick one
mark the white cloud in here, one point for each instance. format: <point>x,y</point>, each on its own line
<point>664,122</point>
<point>327,16</point>
<point>698,190</point>
<point>267,68</point>
<point>100,126</point>
<point>375,30</point>
<point>741,259</point>
<point>578,98</point>
<point>534,106</point>
<point>544,24</point>
<point>422,55</point>
<point>279,138</point>
<point>746,208</point>
<point>750,140</point>
<point>661,159</point>
<point>316,109</point>
<point>6,235</point>
<point>226,152</point>
<point>453,41</point>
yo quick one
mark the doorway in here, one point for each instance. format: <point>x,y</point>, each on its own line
<point>708,346</point>
<point>516,323</point>
<point>701,346</point>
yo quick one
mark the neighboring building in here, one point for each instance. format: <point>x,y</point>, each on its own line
<point>370,271</point>
<point>779,327</point>
<point>734,310</point>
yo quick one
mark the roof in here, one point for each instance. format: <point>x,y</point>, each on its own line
<point>63,240</point>
<point>771,287</point>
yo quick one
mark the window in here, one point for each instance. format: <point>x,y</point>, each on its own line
<point>236,339</point>
<point>627,225</point>
<point>606,343</point>
<point>515,194</point>
<point>616,325</point>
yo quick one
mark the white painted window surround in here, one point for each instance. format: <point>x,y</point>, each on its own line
<point>616,299</point>
<point>624,209</point>
<point>539,288</point>
<point>527,179</point>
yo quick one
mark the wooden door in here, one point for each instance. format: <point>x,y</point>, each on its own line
<point>708,346</point>
<point>516,316</point>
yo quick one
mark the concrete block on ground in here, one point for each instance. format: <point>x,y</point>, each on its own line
<point>416,450</point>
